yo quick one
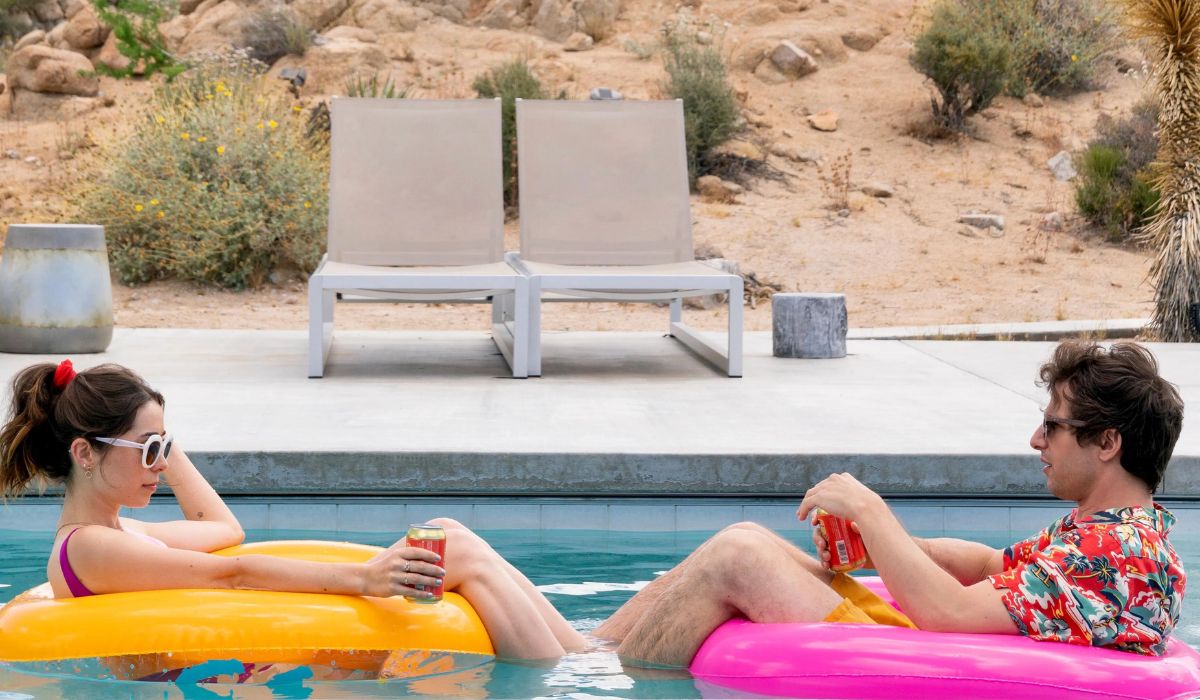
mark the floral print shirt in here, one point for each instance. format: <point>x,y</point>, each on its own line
<point>1110,580</point>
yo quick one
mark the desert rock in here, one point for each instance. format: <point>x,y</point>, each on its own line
<point>578,42</point>
<point>45,69</point>
<point>37,36</point>
<point>85,30</point>
<point>334,63</point>
<point>793,61</point>
<point>826,120</point>
<point>860,39</point>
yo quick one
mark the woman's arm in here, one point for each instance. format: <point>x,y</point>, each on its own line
<point>209,524</point>
<point>111,561</point>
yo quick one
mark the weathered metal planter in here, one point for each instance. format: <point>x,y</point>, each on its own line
<point>55,290</point>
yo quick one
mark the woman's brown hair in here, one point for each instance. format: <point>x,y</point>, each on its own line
<point>43,420</point>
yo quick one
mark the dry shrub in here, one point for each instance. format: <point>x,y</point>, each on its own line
<point>216,183</point>
<point>1114,188</point>
<point>835,181</point>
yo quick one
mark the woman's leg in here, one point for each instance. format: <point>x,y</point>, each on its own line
<point>497,590</point>
<point>618,625</point>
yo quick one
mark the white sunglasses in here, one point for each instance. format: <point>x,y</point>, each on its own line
<point>153,449</point>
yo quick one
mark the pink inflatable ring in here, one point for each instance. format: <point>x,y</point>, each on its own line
<point>866,662</point>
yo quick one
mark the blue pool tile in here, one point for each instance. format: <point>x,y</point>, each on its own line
<point>706,518</point>
<point>638,517</point>
<point>29,517</point>
<point>1027,521</point>
<point>391,518</point>
<point>923,521</point>
<point>970,520</point>
<point>508,516</point>
<point>424,512</point>
<point>575,516</point>
<point>781,518</point>
<point>252,516</point>
<point>302,516</point>
<point>157,512</point>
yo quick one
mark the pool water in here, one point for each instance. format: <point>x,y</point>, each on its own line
<point>586,574</point>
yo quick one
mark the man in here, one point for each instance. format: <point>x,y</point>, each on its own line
<point>1103,575</point>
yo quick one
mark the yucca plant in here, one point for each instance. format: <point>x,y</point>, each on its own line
<point>1171,29</point>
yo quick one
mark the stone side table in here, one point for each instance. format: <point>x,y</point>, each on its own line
<point>55,290</point>
<point>808,325</point>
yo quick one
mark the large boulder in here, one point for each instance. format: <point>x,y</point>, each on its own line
<point>85,30</point>
<point>37,36</point>
<point>48,12</point>
<point>45,69</point>
<point>316,15</point>
<point>109,56</point>
<point>38,106</point>
<point>382,16</point>
<point>216,29</point>
<point>336,62</point>
<point>502,15</point>
<point>555,19</point>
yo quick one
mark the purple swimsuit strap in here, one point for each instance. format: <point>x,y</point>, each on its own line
<point>74,585</point>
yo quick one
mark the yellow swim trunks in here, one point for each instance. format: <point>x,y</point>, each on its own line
<point>862,606</point>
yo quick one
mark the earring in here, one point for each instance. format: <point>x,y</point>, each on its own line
<point>87,471</point>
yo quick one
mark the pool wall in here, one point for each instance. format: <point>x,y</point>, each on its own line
<point>1017,518</point>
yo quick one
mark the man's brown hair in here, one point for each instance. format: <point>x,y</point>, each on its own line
<point>1119,387</point>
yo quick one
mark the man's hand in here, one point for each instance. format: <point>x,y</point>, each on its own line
<point>841,495</point>
<point>823,547</point>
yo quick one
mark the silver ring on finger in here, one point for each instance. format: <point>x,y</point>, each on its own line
<point>407,580</point>
<point>407,566</point>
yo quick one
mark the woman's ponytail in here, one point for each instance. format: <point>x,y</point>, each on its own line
<point>29,448</point>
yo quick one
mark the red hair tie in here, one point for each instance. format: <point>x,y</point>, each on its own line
<point>63,375</point>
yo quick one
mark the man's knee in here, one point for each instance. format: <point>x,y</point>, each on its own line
<point>749,526</point>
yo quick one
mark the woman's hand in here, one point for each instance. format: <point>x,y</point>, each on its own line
<point>399,568</point>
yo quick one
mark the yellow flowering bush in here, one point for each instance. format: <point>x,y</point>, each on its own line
<point>197,192</point>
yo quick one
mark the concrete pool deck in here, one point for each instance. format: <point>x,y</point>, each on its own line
<point>616,413</point>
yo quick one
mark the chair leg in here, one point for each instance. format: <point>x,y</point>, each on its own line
<point>320,326</point>
<point>520,328</point>
<point>534,324</point>
<point>734,360</point>
<point>676,315</point>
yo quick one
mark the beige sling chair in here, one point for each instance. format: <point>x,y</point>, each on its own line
<point>416,215</point>
<point>603,190</point>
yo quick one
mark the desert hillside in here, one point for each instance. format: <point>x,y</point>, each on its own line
<point>897,251</point>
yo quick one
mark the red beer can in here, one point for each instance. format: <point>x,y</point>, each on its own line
<point>433,538</point>
<point>846,549</point>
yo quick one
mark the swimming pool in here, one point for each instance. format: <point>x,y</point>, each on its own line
<point>586,573</point>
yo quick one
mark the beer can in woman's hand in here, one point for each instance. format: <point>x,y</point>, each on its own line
<point>846,549</point>
<point>433,538</point>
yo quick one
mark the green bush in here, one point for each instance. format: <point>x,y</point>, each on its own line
<point>375,87</point>
<point>509,81</point>
<point>271,33</point>
<point>696,74</point>
<point>1113,189</point>
<point>967,60</point>
<point>1056,44</point>
<point>216,183</point>
<point>134,23</point>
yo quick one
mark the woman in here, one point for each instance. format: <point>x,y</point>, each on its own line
<point>101,432</point>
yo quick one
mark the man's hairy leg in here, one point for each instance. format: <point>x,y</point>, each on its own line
<point>618,625</point>
<point>739,572</point>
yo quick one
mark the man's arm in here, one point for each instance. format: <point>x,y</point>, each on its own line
<point>928,593</point>
<point>968,562</point>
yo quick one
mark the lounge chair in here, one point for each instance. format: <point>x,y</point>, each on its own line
<point>605,215</point>
<point>416,215</point>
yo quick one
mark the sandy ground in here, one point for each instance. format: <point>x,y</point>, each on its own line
<point>900,261</point>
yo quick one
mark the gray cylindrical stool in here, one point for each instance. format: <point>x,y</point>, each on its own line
<point>809,325</point>
<point>55,290</point>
